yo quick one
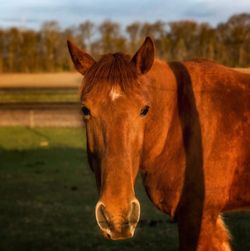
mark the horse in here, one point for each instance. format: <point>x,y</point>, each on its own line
<point>184,126</point>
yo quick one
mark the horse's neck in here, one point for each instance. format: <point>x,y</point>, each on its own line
<point>163,158</point>
<point>172,137</point>
<point>163,122</point>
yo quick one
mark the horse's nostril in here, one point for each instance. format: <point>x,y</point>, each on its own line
<point>134,212</point>
<point>102,216</point>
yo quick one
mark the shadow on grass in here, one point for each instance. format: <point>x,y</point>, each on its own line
<point>47,203</point>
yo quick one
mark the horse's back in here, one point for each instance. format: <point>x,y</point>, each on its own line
<point>216,77</point>
<point>227,90</point>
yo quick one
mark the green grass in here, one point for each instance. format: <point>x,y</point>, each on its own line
<point>48,196</point>
<point>41,95</point>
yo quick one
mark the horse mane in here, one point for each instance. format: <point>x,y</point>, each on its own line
<point>112,69</point>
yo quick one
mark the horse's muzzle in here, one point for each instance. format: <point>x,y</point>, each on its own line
<point>117,227</point>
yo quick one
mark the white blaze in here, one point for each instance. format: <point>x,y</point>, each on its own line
<point>115,93</point>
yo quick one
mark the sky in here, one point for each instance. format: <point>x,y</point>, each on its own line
<point>32,13</point>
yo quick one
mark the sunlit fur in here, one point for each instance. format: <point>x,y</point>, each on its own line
<point>192,148</point>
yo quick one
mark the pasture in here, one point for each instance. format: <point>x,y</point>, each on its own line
<point>49,80</point>
<point>38,80</point>
<point>48,196</point>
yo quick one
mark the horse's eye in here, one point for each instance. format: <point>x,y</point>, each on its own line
<point>144,110</point>
<point>85,111</point>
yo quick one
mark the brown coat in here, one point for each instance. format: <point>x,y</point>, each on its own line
<point>183,125</point>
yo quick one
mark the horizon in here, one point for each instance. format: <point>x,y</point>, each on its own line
<point>30,14</point>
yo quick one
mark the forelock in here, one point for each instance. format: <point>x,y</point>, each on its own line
<point>111,70</point>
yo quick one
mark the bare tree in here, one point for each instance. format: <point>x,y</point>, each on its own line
<point>24,50</point>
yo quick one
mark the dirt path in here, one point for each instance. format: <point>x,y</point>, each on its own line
<point>40,80</point>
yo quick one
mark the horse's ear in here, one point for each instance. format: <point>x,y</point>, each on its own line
<point>144,57</point>
<point>81,60</point>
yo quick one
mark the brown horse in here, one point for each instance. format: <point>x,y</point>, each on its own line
<point>183,125</point>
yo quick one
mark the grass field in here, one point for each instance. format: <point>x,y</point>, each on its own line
<point>44,87</point>
<point>38,80</point>
<point>48,196</point>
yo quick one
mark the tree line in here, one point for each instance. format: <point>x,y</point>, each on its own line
<point>45,50</point>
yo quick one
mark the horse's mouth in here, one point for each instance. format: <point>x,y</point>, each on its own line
<point>127,234</point>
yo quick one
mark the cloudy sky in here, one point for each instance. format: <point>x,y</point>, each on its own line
<point>31,13</point>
